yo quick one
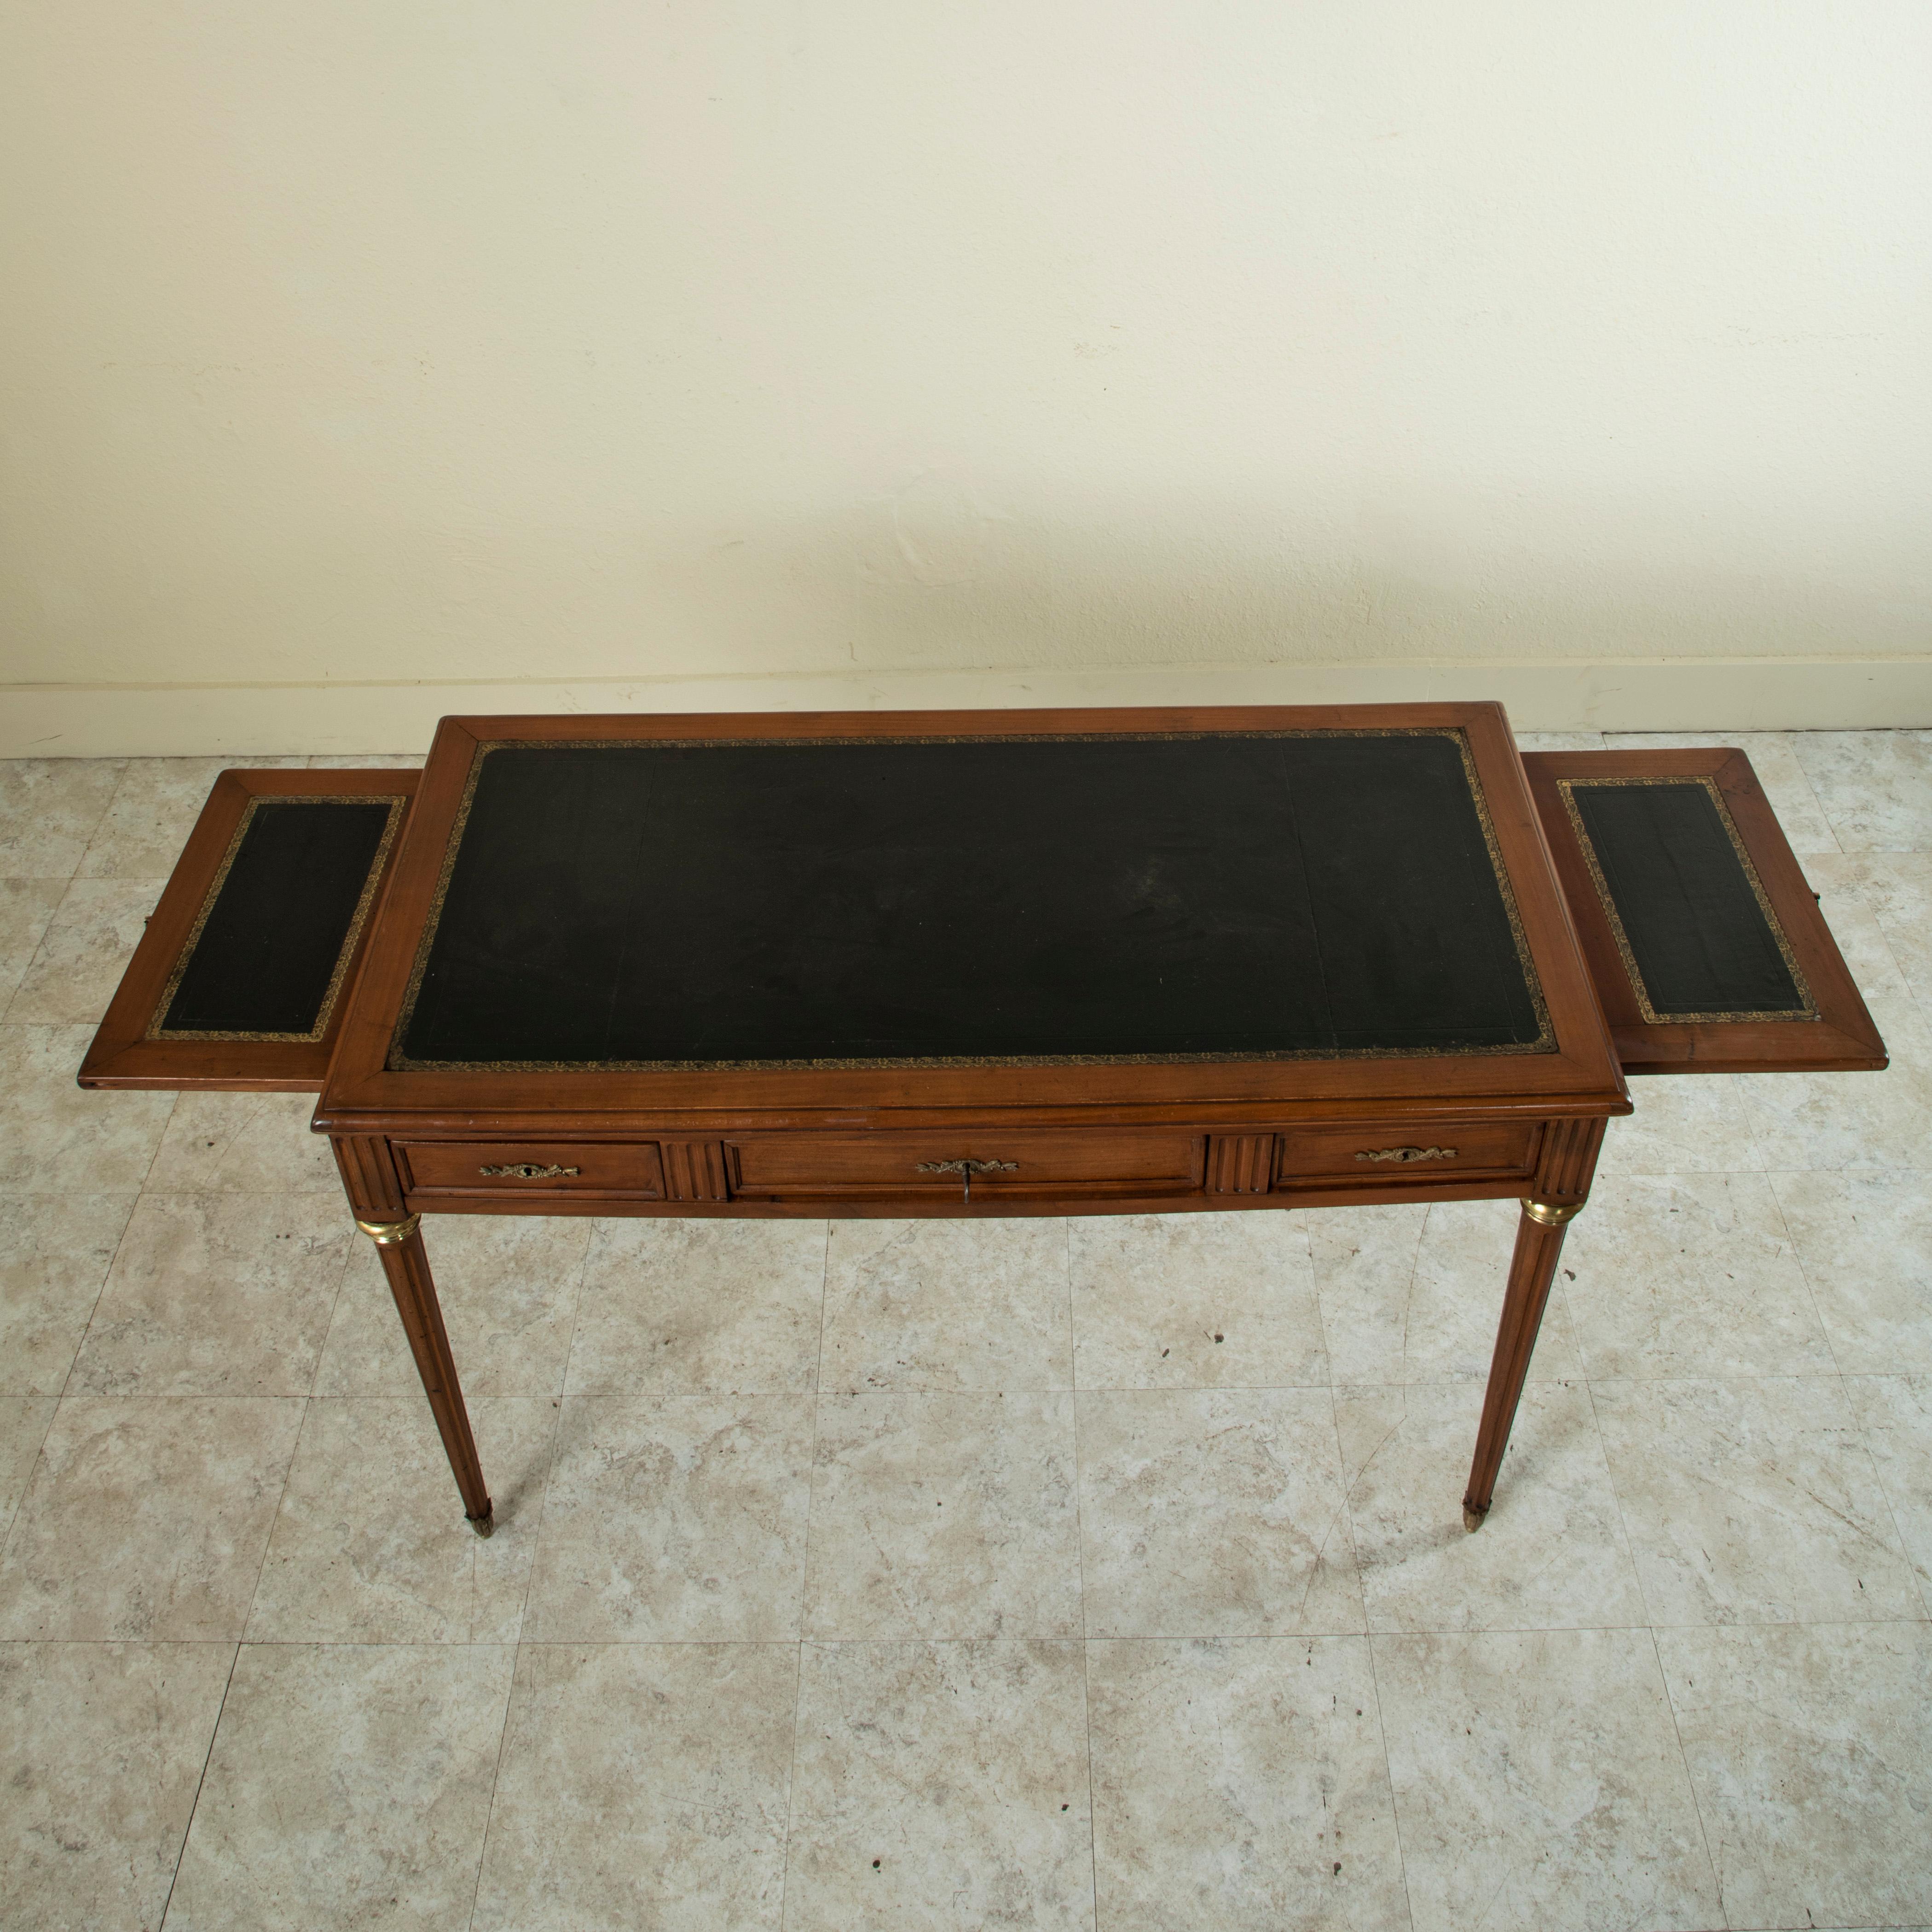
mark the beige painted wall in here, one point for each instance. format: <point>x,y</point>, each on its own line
<point>621,355</point>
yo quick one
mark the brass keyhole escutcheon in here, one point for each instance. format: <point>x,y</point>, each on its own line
<point>966,1168</point>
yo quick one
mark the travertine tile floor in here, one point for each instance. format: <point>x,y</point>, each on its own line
<point>1107,1574</point>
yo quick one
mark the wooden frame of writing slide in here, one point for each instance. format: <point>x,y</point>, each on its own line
<point>208,906</point>
<point>1821,1026</point>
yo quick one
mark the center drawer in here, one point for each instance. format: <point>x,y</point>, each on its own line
<point>924,1166</point>
<point>528,1167</point>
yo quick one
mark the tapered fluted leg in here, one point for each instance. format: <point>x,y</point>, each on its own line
<point>1539,1241</point>
<point>404,1262</point>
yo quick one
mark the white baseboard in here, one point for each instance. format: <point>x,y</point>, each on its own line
<point>1679,695</point>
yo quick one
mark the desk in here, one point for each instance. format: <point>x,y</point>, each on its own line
<point>975,963</point>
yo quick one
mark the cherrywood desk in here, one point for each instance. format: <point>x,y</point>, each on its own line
<point>984,963</point>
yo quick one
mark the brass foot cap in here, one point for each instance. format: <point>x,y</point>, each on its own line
<point>1472,1518</point>
<point>484,1524</point>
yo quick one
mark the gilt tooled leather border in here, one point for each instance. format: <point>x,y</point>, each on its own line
<point>399,1062</point>
<point>1652,1017</point>
<point>398,804</point>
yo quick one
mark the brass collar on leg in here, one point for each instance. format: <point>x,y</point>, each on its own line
<point>390,1233</point>
<point>1553,1214</point>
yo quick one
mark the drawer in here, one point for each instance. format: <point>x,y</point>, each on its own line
<point>1377,1155</point>
<point>924,1166</point>
<point>529,1167</point>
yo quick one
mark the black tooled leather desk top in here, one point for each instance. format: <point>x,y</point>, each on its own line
<point>1313,894</point>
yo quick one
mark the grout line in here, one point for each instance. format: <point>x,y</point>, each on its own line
<point>1583,1377</point>
<point>106,1275</point>
<point>1817,800</point>
<point>496,1778</point>
<point>1093,1801</point>
<point>576,1315</point>
<point>1368,1633</point>
<point>1885,937</point>
<point>1080,1572</point>
<point>982,1641</point>
<point>1465,1383</point>
<point>1388,1771</point>
<point>1623,1524</point>
<point>33,958</point>
<point>281,1497</point>
<point>26,1488</point>
<point>791,1775</point>
<point>542,1508</point>
<point>805,1573</point>
<point>160,1142</point>
<point>94,831</point>
<point>811,1463</point>
<point>1684,1757</point>
<point>555,1435</point>
<point>208,1758</point>
<point>334,1302</point>
<point>1852,1407</point>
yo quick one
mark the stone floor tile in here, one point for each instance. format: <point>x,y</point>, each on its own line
<point>1539,1785</point>
<point>672,1307</point>
<point>1810,1751</point>
<point>1414,1294</point>
<point>244,1143</point>
<point>679,1518</point>
<point>1195,1301</point>
<point>948,1305</point>
<point>1689,1124</point>
<point>1773,756</point>
<point>24,1422</point>
<point>1833,1120</point>
<point>508,1287</point>
<point>1895,1412</point>
<point>26,907</point>
<point>49,810</point>
<point>101,1750</point>
<point>55,1251</point>
<point>1214,1513</point>
<point>145,1520</point>
<point>1552,1553</point>
<point>1365,1261</point>
<point>940,1785</point>
<point>642,1785</point>
<point>649,1784</point>
<point>349,1786</point>
<point>1850,886</point>
<point>1875,787</point>
<point>61,1140</point>
<point>82,954</point>
<point>1865,1243</point>
<point>1897,885</point>
<point>1752,1501</point>
<point>1559,741</point>
<point>370,1545</point>
<point>154,808</point>
<point>1689,1274</point>
<point>369,761</point>
<point>944,1515</point>
<point>216,1294</point>
<point>1240,1785</point>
